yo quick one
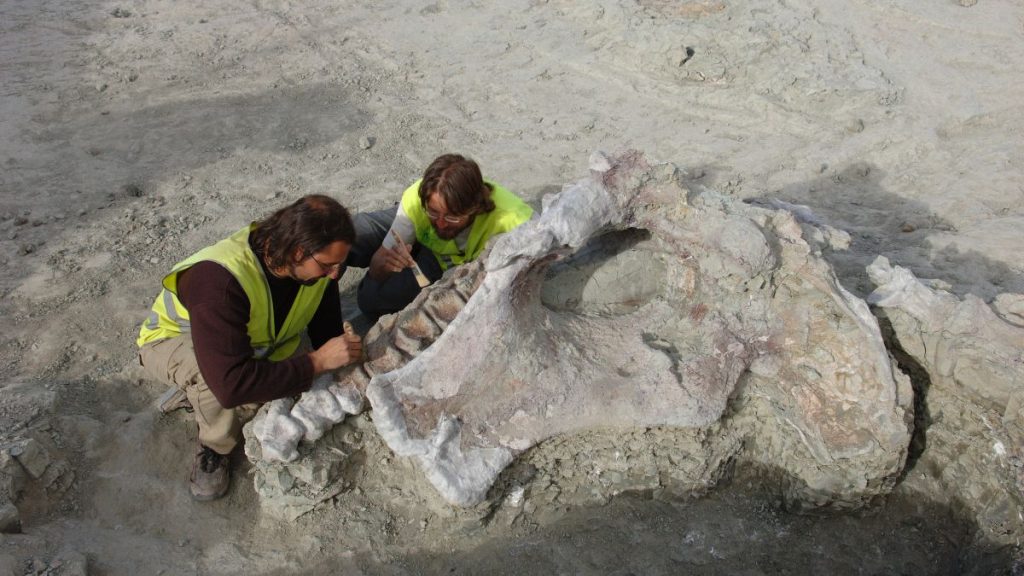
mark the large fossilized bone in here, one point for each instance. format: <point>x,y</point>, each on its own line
<point>973,354</point>
<point>626,305</point>
<point>631,302</point>
<point>967,347</point>
<point>392,342</point>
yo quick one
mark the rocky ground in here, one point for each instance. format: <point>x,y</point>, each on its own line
<point>133,133</point>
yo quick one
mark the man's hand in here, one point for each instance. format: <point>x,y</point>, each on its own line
<point>387,261</point>
<point>337,352</point>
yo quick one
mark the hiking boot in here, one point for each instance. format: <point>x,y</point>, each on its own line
<point>211,475</point>
<point>173,399</point>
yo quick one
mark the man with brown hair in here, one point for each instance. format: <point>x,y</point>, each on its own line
<point>226,327</point>
<point>443,220</point>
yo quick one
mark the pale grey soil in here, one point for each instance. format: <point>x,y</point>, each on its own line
<point>133,133</point>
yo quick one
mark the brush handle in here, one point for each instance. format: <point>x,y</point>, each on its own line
<point>421,278</point>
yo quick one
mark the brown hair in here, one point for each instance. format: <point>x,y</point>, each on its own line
<point>457,179</point>
<point>309,224</point>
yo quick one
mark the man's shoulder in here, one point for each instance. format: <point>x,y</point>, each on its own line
<point>206,279</point>
<point>497,190</point>
<point>210,268</point>
<point>507,203</point>
<point>208,273</point>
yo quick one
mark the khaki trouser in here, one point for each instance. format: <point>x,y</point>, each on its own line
<point>173,362</point>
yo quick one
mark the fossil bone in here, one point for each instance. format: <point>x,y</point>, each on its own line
<point>965,345</point>
<point>626,305</point>
<point>632,302</point>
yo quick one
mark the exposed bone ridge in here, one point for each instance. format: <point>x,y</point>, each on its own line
<point>973,354</point>
<point>552,373</point>
<point>325,404</point>
<point>632,302</point>
<point>440,455</point>
<point>463,476</point>
<point>966,346</point>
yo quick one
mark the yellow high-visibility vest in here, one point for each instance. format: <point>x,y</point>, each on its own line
<point>509,212</point>
<point>170,319</point>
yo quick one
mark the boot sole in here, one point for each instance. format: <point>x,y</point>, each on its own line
<point>171,400</point>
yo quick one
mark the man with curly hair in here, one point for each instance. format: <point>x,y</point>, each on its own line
<point>443,219</point>
<point>225,330</point>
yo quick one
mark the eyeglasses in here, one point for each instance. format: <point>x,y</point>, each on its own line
<point>448,217</point>
<point>325,268</point>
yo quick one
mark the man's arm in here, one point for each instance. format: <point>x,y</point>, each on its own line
<point>391,257</point>
<point>326,322</point>
<point>219,312</point>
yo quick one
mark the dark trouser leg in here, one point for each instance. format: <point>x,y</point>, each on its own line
<point>376,299</point>
<point>371,228</point>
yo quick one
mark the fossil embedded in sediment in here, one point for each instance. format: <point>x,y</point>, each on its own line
<point>633,302</point>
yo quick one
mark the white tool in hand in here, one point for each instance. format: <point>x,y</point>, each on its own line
<point>421,278</point>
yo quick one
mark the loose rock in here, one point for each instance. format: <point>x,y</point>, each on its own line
<point>32,456</point>
<point>10,518</point>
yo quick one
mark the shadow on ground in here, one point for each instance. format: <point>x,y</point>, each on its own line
<point>738,529</point>
<point>882,223</point>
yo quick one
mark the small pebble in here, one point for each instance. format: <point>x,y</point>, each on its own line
<point>968,3</point>
<point>907,227</point>
<point>366,142</point>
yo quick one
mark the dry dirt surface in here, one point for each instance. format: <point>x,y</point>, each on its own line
<point>133,133</point>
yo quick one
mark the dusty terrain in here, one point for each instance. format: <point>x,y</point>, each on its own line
<point>133,133</point>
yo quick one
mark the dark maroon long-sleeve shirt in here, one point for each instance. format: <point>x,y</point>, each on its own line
<point>219,312</point>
